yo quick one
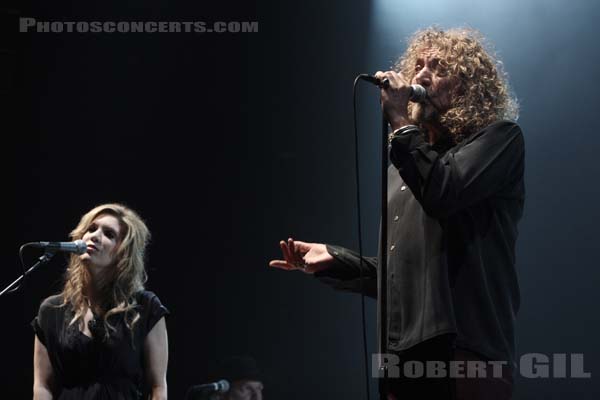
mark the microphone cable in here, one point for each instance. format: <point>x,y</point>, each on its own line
<point>21,284</point>
<point>420,94</point>
<point>360,246</point>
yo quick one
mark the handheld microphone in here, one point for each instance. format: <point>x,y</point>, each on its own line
<point>77,247</point>
<point>418,93</point>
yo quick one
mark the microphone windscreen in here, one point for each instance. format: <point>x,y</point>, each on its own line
<point>224,385</point>
<point>80,246</point>
<point>419,93</point>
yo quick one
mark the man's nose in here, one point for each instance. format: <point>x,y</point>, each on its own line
<point>423,77</point>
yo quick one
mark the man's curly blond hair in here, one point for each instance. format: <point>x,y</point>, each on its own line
<point>483,95</point>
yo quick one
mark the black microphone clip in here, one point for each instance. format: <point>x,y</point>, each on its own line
<point>385,83</point>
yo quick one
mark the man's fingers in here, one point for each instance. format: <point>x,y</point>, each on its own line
<point>286,251</point>
<point>281,264</point>
<point>298,249</point>
<point>301,247</point>
<point>292,249</point>
<point>293,254</point>
<point>382,76</point>
<point>396,79</point>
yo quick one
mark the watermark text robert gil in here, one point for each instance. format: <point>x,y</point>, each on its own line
<point>531,365</point>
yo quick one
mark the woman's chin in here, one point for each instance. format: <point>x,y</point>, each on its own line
<point>86,260</point>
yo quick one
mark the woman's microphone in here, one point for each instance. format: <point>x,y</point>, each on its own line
<point>418,93</point>
<point>77,247</point>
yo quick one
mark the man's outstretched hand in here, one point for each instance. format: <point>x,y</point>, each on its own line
<point>306,257</point>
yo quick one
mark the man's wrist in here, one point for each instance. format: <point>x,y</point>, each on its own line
<point>403,130</point>
<point>399,122</point>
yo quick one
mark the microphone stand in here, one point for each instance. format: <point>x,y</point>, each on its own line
<point>382,291</point>
<point>43,259</point>
<point>382,273</point>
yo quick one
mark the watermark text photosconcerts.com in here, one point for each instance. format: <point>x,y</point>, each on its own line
<point>33,25</point>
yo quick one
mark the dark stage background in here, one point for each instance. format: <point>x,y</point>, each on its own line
<point>226,143</point>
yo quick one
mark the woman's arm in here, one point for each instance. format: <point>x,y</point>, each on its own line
<point>42,372</point>
<point>156,354</point>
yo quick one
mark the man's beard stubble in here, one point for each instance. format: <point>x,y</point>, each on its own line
<point>424,113</point>
<point>428,117</point>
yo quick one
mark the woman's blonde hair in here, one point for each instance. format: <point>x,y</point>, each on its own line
<point>483,95</point>
<point>124,279</point>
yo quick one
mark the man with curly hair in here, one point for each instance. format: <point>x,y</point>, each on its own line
<point>456,194</point>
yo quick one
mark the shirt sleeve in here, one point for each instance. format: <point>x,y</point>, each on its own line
<point>154,310</point>
<point>486,165</point>
<point>345,273</point>
<point>45,324</point>
<point>37,329</point>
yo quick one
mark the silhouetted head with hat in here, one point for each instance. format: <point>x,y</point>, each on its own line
<point>244,377</point>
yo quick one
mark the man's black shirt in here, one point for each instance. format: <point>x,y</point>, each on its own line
<point>452,228</point>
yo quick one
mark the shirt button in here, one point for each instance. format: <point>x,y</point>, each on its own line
<point>396,218</point>
<point>403,187</point>
<point>392,247</point>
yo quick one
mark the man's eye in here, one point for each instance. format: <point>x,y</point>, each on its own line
<point>442,68</point>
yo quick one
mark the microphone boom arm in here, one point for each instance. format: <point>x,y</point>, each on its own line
<point>47,256</point>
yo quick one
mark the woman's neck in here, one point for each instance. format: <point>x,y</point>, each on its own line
<point>96,290</point>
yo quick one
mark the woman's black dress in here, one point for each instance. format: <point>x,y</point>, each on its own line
<point>97,368</point>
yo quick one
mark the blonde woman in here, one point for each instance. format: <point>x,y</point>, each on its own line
<point>103,336</point>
